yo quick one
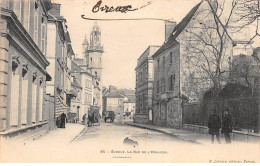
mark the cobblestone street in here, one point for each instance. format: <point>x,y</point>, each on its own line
<point>76,144</point>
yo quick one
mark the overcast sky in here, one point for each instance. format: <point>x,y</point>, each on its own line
<point>123,41</point>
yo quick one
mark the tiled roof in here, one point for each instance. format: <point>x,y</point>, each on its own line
<point>177,30</point>
<point>127,91</point>
<point>131,99</point>
<point>114,95</point>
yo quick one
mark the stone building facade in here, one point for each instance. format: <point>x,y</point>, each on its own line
<point>93,51</point>
<point>83,85</point>
<point>76,102</point>
<point>87,72</point>
<point>177,78</point>
<point>59,54</point>
<point>129,105</point>
<point>113,101</point>
<point>144,85</point>
<point>23,102</point>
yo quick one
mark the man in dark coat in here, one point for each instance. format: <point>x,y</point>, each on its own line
<point>84,118</point>
<point>227,126</point>
<point>214,125</point>
<point>63,120</point>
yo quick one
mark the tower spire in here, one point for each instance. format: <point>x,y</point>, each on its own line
<point>85,44</point>
<point>95,37</point>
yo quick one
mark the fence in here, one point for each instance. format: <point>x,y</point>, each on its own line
<point>244,112</point>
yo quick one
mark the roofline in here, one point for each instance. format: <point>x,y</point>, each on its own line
<point>20,30</point>
<point>113,97</point>
<point>175,29</point>
<point>171,45</point>
<point>147,49</point>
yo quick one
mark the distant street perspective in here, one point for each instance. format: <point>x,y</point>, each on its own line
<point>192,98</point>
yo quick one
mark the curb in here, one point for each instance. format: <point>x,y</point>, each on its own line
<point>75,138</point>
<point>164,132</point>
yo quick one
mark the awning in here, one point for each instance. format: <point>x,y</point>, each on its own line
<point>72,93</point>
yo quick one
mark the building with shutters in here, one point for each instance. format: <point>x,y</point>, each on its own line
<point>178,67</point>
<point>59,54</point>
<point>83,85</point>
<point>87,72</point>
<point>144,86</point>
<point>23,74</point>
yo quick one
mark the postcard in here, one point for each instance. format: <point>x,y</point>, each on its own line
<point>129,81</point>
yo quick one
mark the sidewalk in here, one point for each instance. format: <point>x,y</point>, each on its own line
<point>61,136</point>
<point>185,135</point>
<point>52,147</point>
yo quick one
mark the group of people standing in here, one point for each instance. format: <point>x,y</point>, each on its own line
<point>214,125</point>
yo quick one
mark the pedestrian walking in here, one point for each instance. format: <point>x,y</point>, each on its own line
<point>84,118</point>
<point>63,120</point>
<point>214,124</point>
<point>227,126</point>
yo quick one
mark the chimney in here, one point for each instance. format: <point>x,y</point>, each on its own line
<point>169,26</point>
<point>55,10</point>
<point>112,89</point>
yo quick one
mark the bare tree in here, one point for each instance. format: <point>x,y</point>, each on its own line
<point>208,45</point>
<point>248,12</point>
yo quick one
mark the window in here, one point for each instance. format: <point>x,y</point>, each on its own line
<point>172,79</point>
<point>43,35</point>
<point>36,17</point>
<point>86,98</point>
<point>143,103</point>
<point>61,80</point>
<point>64,54</point>
<point>18,9</point>
<point>86,82</point>
<point>171,82</point>
<point>27,13</point>
<point>163,62</point>
<point>120,101</point>
<point>95,73</point>
<point>170,57</point>
<point>158,86</point>
<point>158,63</point>
<point>40,91</point>
<point>163,85</point>
<point>62,51</point>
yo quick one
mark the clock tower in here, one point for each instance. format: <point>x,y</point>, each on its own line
<point>93,52</point>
